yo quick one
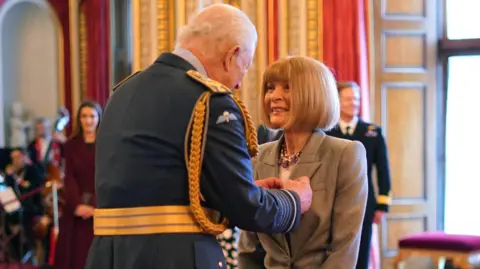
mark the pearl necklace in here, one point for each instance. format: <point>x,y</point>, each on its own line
<point>286,161</point>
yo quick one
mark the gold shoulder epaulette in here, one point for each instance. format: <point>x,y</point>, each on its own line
<point>213,85</point>
<point>124,80</point>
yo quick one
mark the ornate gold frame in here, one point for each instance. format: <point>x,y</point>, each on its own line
<point>315,29</point>
<point>161,19</point>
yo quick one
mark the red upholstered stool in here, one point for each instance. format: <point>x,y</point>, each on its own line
<point>463,250</point>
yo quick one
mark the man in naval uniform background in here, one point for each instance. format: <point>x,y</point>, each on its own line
<point>354,128</point>
<point>148,213</point>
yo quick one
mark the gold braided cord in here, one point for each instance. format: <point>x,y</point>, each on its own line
<point>250,130</point>
<point>194,166</point>
<point>196,137</point>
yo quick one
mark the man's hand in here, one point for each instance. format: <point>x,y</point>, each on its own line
<point>270,183</point>
<point>378,217</point>
<point>302,187</point>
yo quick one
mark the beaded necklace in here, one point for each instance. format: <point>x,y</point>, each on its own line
<point>286,161</point>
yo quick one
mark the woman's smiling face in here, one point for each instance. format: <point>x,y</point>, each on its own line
<point>277,103</point>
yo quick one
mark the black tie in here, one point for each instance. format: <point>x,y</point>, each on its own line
<point>347,133</point>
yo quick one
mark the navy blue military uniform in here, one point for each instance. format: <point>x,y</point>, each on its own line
<point>141,163</point>
<point>371,137</point>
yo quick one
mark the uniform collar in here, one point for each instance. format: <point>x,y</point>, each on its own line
<point>192,59</point>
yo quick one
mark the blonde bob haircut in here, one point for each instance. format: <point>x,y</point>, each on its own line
<point>314,101</point>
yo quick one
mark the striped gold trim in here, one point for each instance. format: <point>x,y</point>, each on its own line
<point>384,200</point>
<point>146,220</point>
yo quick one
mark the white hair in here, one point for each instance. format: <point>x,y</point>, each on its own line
<point>217,24</point>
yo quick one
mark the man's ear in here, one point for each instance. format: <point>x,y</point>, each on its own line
<point>231,57</point>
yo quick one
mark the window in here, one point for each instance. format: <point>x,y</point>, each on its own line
<point>460,53</point>
<point>462,19</point>
<point>461,158</point>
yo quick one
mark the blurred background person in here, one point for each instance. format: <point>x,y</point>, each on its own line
<point>352,127</point>
<point>76,223</point>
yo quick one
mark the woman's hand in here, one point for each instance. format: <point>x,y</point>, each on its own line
<point>84,211</point>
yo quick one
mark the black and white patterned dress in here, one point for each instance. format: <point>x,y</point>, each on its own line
<point>229,242</point>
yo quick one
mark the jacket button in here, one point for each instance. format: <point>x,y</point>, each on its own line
<point>220,264</point>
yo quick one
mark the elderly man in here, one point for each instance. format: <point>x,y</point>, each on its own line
<point>173,156</point>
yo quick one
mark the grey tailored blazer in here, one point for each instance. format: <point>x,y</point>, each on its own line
<point>329,233</point>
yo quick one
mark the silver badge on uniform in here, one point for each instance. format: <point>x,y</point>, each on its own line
<point>226,117</point>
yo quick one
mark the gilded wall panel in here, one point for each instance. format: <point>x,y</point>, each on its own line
<point>296,24</point>
<point>82,33</point>
<point>191,6</point>
<point>153,30</point>
<point>255,10</point>
<point>145,38</point>
<point>165,25</point>
<point>314,29</point>
<point>235,3</point>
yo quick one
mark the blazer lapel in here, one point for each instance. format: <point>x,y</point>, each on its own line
<point>269,168</point>
<point>308,165</point>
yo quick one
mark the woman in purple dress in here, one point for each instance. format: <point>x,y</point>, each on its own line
<point>76,223</point>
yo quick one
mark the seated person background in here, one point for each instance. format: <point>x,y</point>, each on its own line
<point>299,95</point>
<point>23,178</point>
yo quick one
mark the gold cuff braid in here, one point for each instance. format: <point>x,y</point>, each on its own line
<point>196,137</point>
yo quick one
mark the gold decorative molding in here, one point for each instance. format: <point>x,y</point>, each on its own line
<point>314,29</point>
<point>145,29</point>
<point>320,29</point>
<point>166,25</point>
<point>271,31</point>
<point>83,52</point>
<point>235,3</point>
<point>136,44</point>
<point>74,52</point>
<point>255,10</point>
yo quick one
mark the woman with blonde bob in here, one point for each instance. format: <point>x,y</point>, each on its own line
<point>299,95</point>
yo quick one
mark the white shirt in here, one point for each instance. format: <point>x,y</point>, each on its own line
<point>44,143</point>
<point>352,124</point>
<point>285,173</point>
<point>192,59</point>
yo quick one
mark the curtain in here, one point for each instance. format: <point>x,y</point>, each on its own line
<point>98,33</point>
<point>345,44</point>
